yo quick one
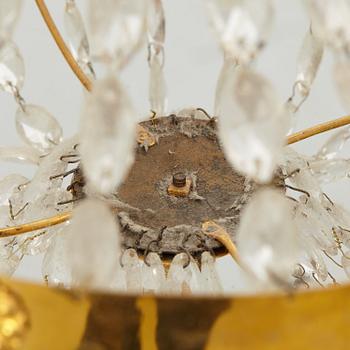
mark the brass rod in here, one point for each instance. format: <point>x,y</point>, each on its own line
<point>62,45</point>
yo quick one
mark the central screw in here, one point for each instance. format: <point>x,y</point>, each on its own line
<point>179,180</point>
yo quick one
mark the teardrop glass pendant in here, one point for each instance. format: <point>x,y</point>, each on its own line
<point>38,128</point>
<point>242,26</point>
<point>117,29</point>
<point>253,124</point>
<point>11,67</point>
<point>108,133</point>
<point>9,13</point>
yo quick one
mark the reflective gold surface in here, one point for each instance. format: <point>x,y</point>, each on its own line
<point>44,318</point>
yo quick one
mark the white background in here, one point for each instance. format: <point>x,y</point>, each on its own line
<point>193,61</point>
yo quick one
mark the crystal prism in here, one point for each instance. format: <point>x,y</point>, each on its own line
<point>56,270</point>
<point>309,60</point>
<point>38,128</point>
<point>7,186</point>
<point>242,26</point>
<point>20,155</point>
<point>9,13</point>
<point>252,125</point>
<point>210,278</point>
<point>93,245</point>
<point>157,88</point>
<point>267,236</point>
<point>330,21</point>
<point>153,274</point>
<point>342,81</point>
<point>156,23</point>
<point>330,170</point>
<point>334,144</point>
<point>117,29</point>
<point>11,67</point>
<point>108,133</point>
<point>77,37</point>
<point>179,276</point>
<point>132,269</point>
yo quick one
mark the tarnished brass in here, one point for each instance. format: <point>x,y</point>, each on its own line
<point>180,191</point>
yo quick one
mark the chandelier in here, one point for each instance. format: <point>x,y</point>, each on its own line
<point>133,212</point>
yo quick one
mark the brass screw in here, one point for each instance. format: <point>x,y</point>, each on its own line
<point>179,180</point>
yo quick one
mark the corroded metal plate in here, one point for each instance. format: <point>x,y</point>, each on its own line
<point>153,220</point>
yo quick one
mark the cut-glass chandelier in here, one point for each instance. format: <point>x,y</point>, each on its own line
<point>141,207</point>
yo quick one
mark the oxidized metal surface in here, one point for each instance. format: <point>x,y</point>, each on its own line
<point>156,219</point>
<point>67,320</point>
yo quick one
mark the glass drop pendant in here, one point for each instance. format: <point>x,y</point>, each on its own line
<point>132,269</point>
<point>38,128</point>
<point>8,185</point>
<point>20,155</point>
<point>108,132</point>
<point>157,88</point>
<point>341,72</point>
<point>309,60</point>
<point>9,13</point>
<point>330,21</point>
<point>153,274</point>
<point>242,26</point>
<point>333,146</point>
<point>156,23</point>
<point>117,28</point>
<point>267,236</point>
<point>11,67</point>
<point>77,37</point>
<point>253,123</point>
<point>93,245</point>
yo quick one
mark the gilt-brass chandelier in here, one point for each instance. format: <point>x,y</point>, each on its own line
<point>132,212</point>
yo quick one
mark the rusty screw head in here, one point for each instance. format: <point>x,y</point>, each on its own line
<point>179,180</point>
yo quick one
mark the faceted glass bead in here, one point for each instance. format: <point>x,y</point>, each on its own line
<point>157,88</point>
<point>76,35</point>
<point>334,144</point>
<point>267,236</point>
<point>179,276</point>
<point>132,268</point>
<point>93,245</point>
<point>153,274</point>
<point>38,128</point>
<point>11,67</point>
<point>19,155</point>
<point>242,26</point>
<point>9,13</point>
<point>117,29</point>
<point>7,186</point>
<point>309,59</point>
<point>252,125</point>
<point>108,132</point>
